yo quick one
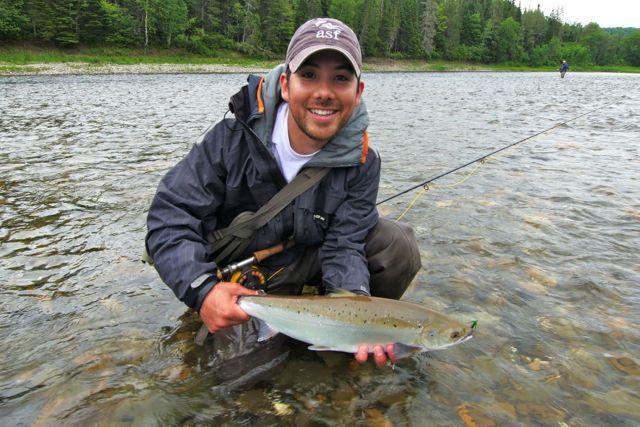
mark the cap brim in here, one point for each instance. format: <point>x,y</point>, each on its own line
<point>299,59</point>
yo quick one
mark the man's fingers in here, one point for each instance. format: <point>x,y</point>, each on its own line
<point>392,357</point>
<point>379,356</point>
<point>362,354</point>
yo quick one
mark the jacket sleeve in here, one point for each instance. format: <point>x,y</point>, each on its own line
<point>342,255</point>
<point>182,210</point>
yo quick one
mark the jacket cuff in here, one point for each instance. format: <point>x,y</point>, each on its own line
<point>201,291</point>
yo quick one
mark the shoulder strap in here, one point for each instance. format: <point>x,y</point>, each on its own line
<point>234,239</point>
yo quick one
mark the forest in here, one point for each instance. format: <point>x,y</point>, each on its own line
<point>476,31</point>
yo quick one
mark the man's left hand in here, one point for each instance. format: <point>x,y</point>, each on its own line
<point>380,354</point>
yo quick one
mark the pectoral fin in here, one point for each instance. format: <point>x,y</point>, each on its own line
<point>265,331</point>
<point>321,348</point>
<point>400,350</point>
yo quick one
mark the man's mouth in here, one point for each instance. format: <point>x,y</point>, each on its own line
<point>322,113</point>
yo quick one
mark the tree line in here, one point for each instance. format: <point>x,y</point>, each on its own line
<point>483,31</point>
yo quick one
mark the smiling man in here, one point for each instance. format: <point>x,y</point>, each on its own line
<point>306,114</point>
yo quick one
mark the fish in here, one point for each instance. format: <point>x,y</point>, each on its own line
<point>345,321</point>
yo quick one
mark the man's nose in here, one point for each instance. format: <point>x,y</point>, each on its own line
<point>324,89</point>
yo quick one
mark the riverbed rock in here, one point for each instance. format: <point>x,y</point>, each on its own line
<point>624,364</point>
<point>538,364</point>
<point>375,418</point>
<point>472,415</point>
<point>542,414</point>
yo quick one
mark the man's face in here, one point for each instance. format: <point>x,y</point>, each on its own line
<point>322,95</point>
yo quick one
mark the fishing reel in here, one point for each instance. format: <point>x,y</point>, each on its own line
<point>250,278</point>
<point>253,279</point>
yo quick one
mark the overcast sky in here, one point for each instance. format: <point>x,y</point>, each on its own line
<point>607,13</point>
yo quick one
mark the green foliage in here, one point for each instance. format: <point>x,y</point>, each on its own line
<point>534,29</point>
<point>631,48</point>
<point>466,53</point>
<point>11,19</point>
<point>120,26</point>
<point>599,43</point>
<point>487,31</point>
<point>471,32</point>
<point>508,40</point>
<point>547,54</point>
<point>201,43</point>
<point>575,53</point>
<point>171,18</point>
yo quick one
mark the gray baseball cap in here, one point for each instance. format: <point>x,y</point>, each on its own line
<point>323,34</point>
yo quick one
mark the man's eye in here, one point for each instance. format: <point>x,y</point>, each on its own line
<point>308,74</point>
<point>342,78</point>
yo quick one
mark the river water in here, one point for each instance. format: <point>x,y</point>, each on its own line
<point>540,245</point>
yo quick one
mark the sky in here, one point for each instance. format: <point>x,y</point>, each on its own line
<point>607,13</point>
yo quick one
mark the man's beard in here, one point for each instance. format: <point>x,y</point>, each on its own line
<point>314,136</point>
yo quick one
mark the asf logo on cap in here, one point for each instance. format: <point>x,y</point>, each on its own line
<point>327,30</point>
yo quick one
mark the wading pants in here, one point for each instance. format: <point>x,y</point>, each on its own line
<point>392,256</point>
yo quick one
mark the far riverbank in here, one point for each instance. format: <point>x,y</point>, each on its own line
<point>38,61</point>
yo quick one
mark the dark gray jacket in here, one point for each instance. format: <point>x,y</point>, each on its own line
<point>232,170</point>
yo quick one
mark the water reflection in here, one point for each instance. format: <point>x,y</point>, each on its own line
<point>540,245</point>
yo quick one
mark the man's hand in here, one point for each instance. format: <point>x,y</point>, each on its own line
<point>379,355</point>
<point>220,309</point>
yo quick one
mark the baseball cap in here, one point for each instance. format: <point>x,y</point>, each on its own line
<point>323,34</point>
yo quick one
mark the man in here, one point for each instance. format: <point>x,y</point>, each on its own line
<point>305,113</point>
<point>564,67</point>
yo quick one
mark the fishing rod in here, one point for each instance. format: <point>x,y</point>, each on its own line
<point>482,158</point>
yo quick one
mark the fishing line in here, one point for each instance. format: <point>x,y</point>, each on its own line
<point>425,184</point>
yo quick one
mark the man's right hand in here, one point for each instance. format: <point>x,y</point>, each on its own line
<point>220,308</point>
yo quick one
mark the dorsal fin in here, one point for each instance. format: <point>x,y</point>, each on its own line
<point>338,293</point>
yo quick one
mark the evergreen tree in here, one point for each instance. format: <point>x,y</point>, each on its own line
<point>442,22</point>
<point>277,24</point>
<point>369,29</point>
<point>409,41</point>
<point>348,11</point>
<point>36,14</point>
<point>171,18</point>
<point>535,29</point>
<point>389,26</point>
<point>471,31</point>
<point>308,9</point>
<point>554,25</point>
<point>93,22</point>
<point>63,25</point>
<point>122,28</point>
<point>631,48</point>
<point>251,23</point>
<point>11,19</point>
<point>508,42</point>
<point>453,11</point>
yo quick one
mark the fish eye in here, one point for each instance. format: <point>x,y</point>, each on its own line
<point>455,335</point>
<point>432,333</point>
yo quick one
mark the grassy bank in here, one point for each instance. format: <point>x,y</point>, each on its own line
<point>119,56</point>
<point>36,60</point>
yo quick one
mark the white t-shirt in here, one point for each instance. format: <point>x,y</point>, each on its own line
<point>289,161</point>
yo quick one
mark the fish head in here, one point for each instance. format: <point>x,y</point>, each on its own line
<point>440,336</point>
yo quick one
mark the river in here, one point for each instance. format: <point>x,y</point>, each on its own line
<point>540,245</point>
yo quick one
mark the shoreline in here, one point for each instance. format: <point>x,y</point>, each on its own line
<point>85,68</point>
<point>8,69</point>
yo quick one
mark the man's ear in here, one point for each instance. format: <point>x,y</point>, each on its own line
<point>284,87</point>
<point>359,93</point>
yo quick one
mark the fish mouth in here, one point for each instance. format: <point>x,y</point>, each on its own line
<point>465,338</point>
